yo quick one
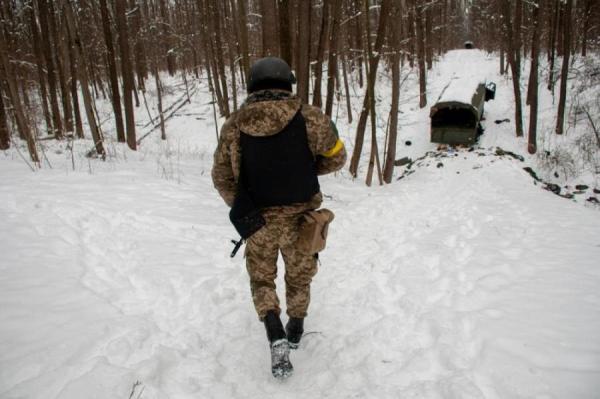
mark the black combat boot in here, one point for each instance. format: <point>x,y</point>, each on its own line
<point>281,367</point>
<point>294,330</point>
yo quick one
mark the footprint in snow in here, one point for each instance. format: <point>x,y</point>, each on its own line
<point>450,241</point>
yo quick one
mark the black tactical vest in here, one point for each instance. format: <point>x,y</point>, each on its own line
<point>279,169</point>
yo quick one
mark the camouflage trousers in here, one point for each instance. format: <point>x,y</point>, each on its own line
<point>262,250</point>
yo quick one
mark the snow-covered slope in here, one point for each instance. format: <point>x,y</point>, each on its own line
<point>462,280</point>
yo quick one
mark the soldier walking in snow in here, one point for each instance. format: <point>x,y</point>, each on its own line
<point>269,155</point>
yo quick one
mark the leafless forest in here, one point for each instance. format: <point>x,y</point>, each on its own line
<point>58,57</point>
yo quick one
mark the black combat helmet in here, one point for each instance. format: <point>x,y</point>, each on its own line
<point>270,73</point>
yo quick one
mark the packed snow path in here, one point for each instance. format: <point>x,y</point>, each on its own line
<point>474,284</point>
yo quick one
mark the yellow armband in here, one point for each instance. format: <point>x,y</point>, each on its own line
<point>333,151</point>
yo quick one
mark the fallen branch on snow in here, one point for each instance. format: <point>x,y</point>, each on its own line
<point>167,117</point>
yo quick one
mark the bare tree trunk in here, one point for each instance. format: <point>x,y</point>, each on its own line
<point>95,80</point>
<point>516,74</point>
<point>303,44</point>
<point>84,77</point>
<point>285,42</point>
<point>270,44</point>
<point>243,23</point>
<point>215,25</point>
<point>163,134</point>
<point>444,23</point>
<point>346,87</point>
<point>359,44</point>
<point>138,45</point>
<point>439,28</point>
<point>533,82</point>
<point>561,26</point>
<point>332,62</point>
<point>4,132</point>
<point>428,36</point>
<point>374,63</point>
<point>237,39</point>
<point>212,85</point>
<point>230,56</point>
<point>411,32</point>
<point>46,46</point>
<point>586,27</point>
<point>564,75</point>
<point>323,36</point>
<point>40,68</point>
<point>518,41</point>
<point>390,157</point>
<point>374,158</point>
<point>74,79</point>
<point>552,46</point>
<point>126,71</point>
<point>211,68</point>
<point>421,56</point>
<point>61,58</point>
<point>24,92</point>
<point>6,73</point>
<point>167,33</point>
<point>112,72</point>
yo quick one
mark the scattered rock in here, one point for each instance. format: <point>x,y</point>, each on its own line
<point>402,161</point>
<point>556,174</point>
<point>581,187</point>
<point>596,191</point>
<point>408,142</point>
<point>500,152</point>
<point>593,200</point>
<point>531,173</point>
<point>567,196</point>
<point>440,165</point>
<point>555,188</point>
<point>499,121</point>
<point>579,192</point>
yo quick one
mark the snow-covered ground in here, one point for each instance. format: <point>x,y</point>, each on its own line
<point>462,280</point>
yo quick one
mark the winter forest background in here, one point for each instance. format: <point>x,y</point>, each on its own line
<point>453,273</point>
<point>59,58</point>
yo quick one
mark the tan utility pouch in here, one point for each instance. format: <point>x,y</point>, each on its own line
<point>313,231</point>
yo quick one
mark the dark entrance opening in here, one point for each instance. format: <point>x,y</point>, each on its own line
<point>454,117</point>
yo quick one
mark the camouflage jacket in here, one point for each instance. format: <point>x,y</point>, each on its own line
<point>267,113</point>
